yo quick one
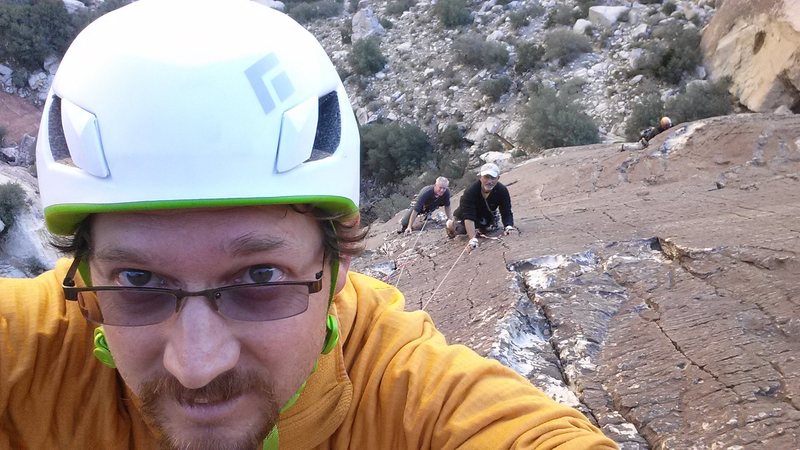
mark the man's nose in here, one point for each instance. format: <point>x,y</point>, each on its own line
<point>201,345</point>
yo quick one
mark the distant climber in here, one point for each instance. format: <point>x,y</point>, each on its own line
<point>477,210</point>
<point>648,133</point>
<point>427,201</point>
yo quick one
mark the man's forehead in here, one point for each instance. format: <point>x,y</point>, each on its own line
<point>236,227</point>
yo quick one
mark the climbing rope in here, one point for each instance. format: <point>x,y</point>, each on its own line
<point>424,305</point>
<point>425,222</point>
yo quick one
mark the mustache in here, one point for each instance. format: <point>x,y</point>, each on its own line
<point>227,385</point>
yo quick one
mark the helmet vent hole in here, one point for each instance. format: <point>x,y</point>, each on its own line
<point>329,127</point>
<point>55,130</point>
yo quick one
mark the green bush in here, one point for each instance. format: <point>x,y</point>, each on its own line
<point>366,57</point>
<point>346,30</point>
<point>386,23</point>
<point>563,15</point>
<point>522,17</point>
<point>387,207</point>
<point>583,7</point>
<point>493,144</point>
<point>305,12</point>
<point>397,7</point>
<point>645,113</point>
<point>572,86</point>
<point>671,51</point>
<point>31,31</point>
<point>451,137</point>
<point>551,121</point>
<point>495,87</point>
<point>473,50</point>
<point>565,45</point>
<point>701,100</point>
<point>392,151</point>
<point>12,199</point>
<point>668,7</point>
<point>453,13</point>
<point>529,56</point>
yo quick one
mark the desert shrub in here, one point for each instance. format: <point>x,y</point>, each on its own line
<point>385,208</point>
<point>529,56</point>
<point>572,86</point>
<point>495,87</point>
<point>12,199</point>
<point>305,12</point>
<point>3,132</point>
<point>386,23</point>
<point>473,50</point>
<point>701,100</point>
<point>397,7</point>
<point>522,17</point>
<point>518,19</point>
<point>583,7</point>
<point>668,7</point>
<point>366,57</point>
<point>493,144</point>
<point>551,120</point>
<point>392,151</point>
<point>565,45</point>
<point>346,30</point>
<point>453,13</point>
<point>32,30</point>
<point>644,113</point>
<point>451,137</point>
<point>671,51</point>
<point>562,14</point>
<point>452,163</point>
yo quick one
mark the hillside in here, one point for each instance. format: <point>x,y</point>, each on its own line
<point>657,290</point>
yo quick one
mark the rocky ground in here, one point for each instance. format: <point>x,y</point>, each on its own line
<point>656,290</point>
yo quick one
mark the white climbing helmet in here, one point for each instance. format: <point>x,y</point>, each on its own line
<point>195,103</point>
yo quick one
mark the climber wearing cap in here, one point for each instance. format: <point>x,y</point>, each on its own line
<point>203,175</point>
<point>477,210</point>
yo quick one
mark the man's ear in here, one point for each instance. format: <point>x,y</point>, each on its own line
<point>341,278</point>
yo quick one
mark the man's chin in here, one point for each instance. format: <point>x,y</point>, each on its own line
<point>238,424</point>
<point>235,411</point>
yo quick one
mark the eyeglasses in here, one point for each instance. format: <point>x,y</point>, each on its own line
<point>139,306</point>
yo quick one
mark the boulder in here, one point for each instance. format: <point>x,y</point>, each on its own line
<point>503,160</point>
<point>366,24</point>
<point>74,6</point>
<point>51,64</point>
<point>274,4</point>
<point>37,80</point>
<point>581,25</point>
<point>26,251</point>
<point>757,45</point>
<point>606,16</point>
<point>5,73</point>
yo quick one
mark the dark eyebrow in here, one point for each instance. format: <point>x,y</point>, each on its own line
<point>243,245</point>
<point>115,254</point>
<point>253,243</point>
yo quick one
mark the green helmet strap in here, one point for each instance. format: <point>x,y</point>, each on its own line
<point>101,350</point>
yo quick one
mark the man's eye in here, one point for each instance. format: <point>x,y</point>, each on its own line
<point>138,278</point>
<point>262,274</point>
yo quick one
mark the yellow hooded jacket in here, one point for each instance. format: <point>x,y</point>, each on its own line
<point>392,382</point>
